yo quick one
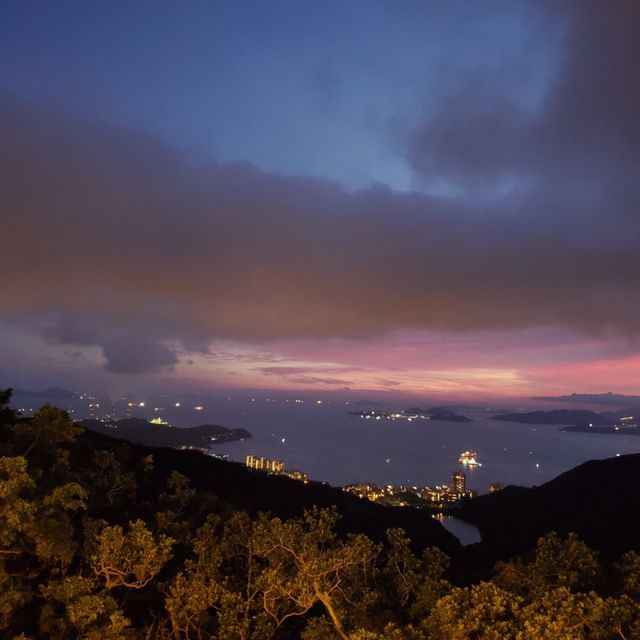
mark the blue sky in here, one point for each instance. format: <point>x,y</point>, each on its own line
<point>330,89</point>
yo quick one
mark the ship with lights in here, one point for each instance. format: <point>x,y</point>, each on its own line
<point>469,459</point>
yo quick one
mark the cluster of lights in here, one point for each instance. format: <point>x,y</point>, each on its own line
<point>385,415</point>
<point>440,494</point>
<point>274,466</point>
<point>468,459</point>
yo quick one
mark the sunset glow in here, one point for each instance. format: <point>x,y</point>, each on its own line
<point>217,204</point>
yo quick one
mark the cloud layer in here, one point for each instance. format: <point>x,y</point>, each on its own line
<point>126,246</point>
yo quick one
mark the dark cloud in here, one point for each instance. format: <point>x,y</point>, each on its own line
<point>73,330</point>
<point>303,375</point>
<point>128,351</point>
<point>575,148</point>
<point>115,233</point>
<point>135,353</point>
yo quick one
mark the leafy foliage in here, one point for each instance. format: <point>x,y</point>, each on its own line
<point>96,542</point>
<point>130,559</point>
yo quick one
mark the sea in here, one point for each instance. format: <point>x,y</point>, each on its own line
<point>331,444</point>
<point>324,439</point>
<point>328,441</point>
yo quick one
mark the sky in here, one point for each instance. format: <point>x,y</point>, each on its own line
<point>429,198</point>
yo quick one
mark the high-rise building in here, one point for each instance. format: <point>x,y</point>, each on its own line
<point>458,482</point>
<point>264,464</point>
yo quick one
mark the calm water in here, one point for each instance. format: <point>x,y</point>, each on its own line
<point>329,444</point>
<point>465,532</point>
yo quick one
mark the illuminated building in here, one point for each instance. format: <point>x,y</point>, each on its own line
<point>295,475</point>
<point>264,464</point>
<point>458,482</point>
<point>366,490</point>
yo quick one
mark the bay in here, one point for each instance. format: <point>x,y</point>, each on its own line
<point>329,444</point>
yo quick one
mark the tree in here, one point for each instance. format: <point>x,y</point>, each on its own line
<point>413,584</point>
<point>130,559</point>
<point>78,603</point>
<point>16,509</point>
<point>47,429</point>
<point>197,588</point>
<point>629,571</point>
<point>307,564</point>
<point>558,562</point>
<point>240,611</point>
<point>175,500</point>
<point>558,613</point>
<point>482,611</point>
<point>7,415</point>
<point>112,484</point>
<point>53,531</point>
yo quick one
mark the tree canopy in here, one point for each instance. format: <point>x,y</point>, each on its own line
<point>96,543</point>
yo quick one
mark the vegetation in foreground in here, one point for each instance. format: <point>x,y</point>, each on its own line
<point>96,543</point>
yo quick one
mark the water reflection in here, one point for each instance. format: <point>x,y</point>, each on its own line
<point>465,532</point>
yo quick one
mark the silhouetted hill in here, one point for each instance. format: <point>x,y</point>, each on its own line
<point>158,435</point>
<point>597,500</point>
<point>558,416</point>
<point>51,393</point>
<point>437,413</point>
<point>254,491</point>
<point>593,398</point>
<point>448,416</point>
<point>610,429</point>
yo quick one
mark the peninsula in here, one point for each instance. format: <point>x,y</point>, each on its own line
<point>141,431</point>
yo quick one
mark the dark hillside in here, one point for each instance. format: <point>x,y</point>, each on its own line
<point>144,432</point>
<point>253,491</point>
<point>558,416</point>
<point>104,539</point>
<point>597,500</point>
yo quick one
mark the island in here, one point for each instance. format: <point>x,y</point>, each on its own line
<point>581,421</point>
<point>413,413</point>
<point>446,415</point>
<point>609,398</point>
<point>619,429</point>
<point>559,416</point>
<point>142,431</point>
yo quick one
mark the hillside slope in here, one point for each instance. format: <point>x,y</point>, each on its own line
<point>597,500</point>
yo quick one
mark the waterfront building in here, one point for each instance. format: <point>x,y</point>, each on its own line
<point>264,464</point>
<point>365,490</point>
<point>295,475</point>
<point>458,482</point>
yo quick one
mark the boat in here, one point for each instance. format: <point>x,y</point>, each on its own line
<point>468,459</point>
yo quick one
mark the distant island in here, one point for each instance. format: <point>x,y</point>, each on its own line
<point>413,413</point>
<point>438,413</point>
<point>51,393</point>
<point>593,398</point>
<point>558,416</point>
<point>146,521</point>
<point>581,421</point>
<point>141,431</point>
<point>632,430</point>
